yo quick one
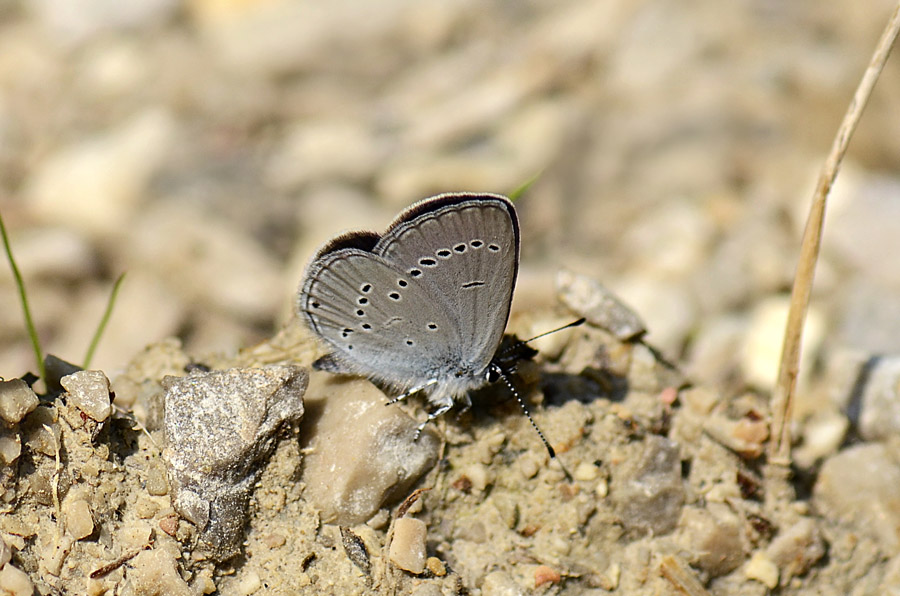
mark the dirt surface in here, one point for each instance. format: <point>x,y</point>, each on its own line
<point>207,148</point>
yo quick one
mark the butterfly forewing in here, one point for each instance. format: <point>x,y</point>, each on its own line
<point>464,249</point>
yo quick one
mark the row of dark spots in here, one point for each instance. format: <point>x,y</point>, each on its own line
<point>445,253</point>
<point>348,331</point>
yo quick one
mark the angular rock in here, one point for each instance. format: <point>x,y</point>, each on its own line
<point>796,549</point>
<point>220,428</point>
<point>361,453</point>
<point>407,549</point>
<point>599,306</point>
<point>647,489</point>
<point>153,573</point>
<point>16,400</point>
<point>89,392</point>
<point>715,535</point>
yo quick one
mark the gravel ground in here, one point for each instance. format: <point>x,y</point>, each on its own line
<point>206,148</point>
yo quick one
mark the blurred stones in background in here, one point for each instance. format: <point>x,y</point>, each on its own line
<point>208,147</point>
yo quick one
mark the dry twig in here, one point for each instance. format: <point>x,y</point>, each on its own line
<point>782,400</point>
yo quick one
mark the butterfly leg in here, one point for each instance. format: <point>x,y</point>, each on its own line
<point>440,411</point>
<point>415,389</point>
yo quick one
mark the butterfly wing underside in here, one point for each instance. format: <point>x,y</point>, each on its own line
<point>358,304</point>
<point>427,301</point>
<point>465,249</point>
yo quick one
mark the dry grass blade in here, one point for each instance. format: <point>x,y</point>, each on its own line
<point>782,400</point>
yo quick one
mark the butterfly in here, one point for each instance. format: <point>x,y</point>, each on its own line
<point>423,306</point>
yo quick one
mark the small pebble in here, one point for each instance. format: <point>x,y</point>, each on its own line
<point>169,524</point>
<point>5,553</point>
<point>16,400</point>
<point>248,584</point>
<point>156,482</point>
<point>15,582</point>
<point>135,535</point>
<point>54,554</point>
<point>89,392</point>
<point>761,568</point>
<point>797,548</point>
<point>478,476</point>
<point>408,545</point>
<point>612,576</point>
<point>590,299</point>
<point>545,575</point>
<point>274,540</point>
<point>436,567</point>
<point>353,420</point>
<point>586,471</point>
<point>10,446</point>
<point>79,521</point>
<point>528,465</point>
<point>146,508</point>
<point>156,572</point>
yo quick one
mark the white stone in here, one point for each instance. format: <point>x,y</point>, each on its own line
<point>762,569</point>
<point>407,549</point>
<point>78,518</point>
<point>16,400</point>
<point>761,351</point>
<point>89,392</point>
<point>15,582</point>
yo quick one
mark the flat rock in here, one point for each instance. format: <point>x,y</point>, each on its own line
<point>362,453</point>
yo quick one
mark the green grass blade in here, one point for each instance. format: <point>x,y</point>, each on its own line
<point>103,321</point>
<point>23,297</point>
<point>522,188</point>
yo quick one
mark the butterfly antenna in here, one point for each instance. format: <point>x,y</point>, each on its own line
<point>550,450</point>
<point>544,334</point>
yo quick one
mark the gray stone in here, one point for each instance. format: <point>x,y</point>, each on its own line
<point>859,486</point>
<point>220,428</point>
<point>715,535</point>
<point>647,488</point>
<point>590,299</point>
<point>878,387</point>
<point>796,549</point>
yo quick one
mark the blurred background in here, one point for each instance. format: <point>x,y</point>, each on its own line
<point>207,147</point>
